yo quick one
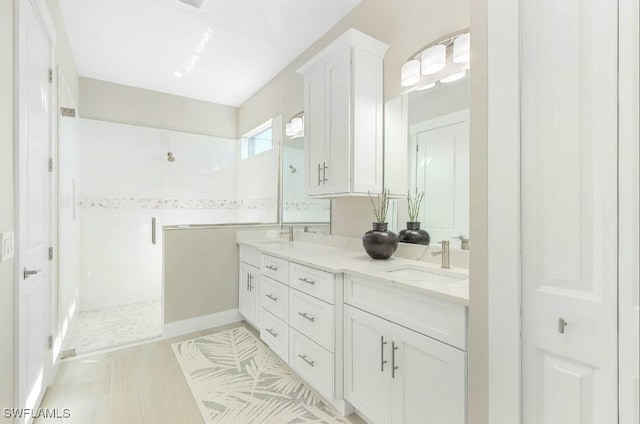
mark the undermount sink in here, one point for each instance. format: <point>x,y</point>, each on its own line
<point>419,274</point>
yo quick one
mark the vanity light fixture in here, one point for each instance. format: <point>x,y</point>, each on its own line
<point>426,86</point>
<point>454,77</point>
<point>433,59</point>
<point>410,73</point>
<point>295,127</point>
<point>461,49</point>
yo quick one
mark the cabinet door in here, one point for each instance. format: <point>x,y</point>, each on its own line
<point>429,380</point>
<point>337,153</point>
<point>248,293</point>
<point>367,357</point>
<point>314,137</point>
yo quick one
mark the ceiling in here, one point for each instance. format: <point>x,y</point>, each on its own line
<point>223,53</point>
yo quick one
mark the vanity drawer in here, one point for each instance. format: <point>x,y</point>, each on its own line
<point>275,298</point>
<point>250,255</point>
<point>313,363</point>
<point>312,317</point>
<point>275,334</point>
<point>317,283</point>
<point>439,319</point>
<point>275,268</point>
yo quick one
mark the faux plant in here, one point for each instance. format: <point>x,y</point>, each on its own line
<point>414,204</point>
<point>380,205</point>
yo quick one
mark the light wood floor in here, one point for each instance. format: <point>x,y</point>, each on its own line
<point>139,384</point>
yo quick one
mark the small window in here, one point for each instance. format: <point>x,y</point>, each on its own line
<point>258,141</point>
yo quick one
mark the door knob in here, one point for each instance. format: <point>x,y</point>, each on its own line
<point>561,324</point>
<point>29,272</point>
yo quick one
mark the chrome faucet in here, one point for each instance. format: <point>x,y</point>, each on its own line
<point>445,254</point>
<point>464,242</point>
<point>290,232</point>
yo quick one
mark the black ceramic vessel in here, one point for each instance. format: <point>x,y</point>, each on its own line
<point>380,243</point>
<point>413,234</point>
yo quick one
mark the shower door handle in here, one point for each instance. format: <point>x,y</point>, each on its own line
<point>153,230</point>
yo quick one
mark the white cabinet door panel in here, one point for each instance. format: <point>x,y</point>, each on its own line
<point>314,131</point>
<point>429,384</point>
<point>367,362</point>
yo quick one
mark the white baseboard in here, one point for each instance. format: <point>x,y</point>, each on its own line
<point>192,325</point>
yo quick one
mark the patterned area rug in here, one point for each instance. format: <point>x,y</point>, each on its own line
<point>236,379</point>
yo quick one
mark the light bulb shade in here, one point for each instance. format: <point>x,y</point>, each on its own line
<point>289,129</point>
<point>410,73</point>
<point>454,77</point>
<point>296,124</point>
<point>426,86</point>
<point>434,59</point>
<point>462,48</point>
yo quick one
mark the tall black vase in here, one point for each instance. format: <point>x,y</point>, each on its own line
<point>378,242</point>
<point>413,234</point>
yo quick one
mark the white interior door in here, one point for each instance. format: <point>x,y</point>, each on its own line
<point>441,154</point>
<point>569,212</point>
<point>34,191</point>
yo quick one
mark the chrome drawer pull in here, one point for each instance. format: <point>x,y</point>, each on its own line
<point>304,280</point>
<point>270,331</point>
<point>393,359</point>
<point>272,297</point>
<point>304,315</point>
<point>308,361</point>
<point>272,268</point>
<point>382,360</point>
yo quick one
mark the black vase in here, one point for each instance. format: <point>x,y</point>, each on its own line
<point>378,242</point>
<point>413,234</point>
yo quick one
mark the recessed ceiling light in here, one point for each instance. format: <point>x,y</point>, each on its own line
<point>178,74</point>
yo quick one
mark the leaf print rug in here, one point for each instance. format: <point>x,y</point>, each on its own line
<point>236,379</point>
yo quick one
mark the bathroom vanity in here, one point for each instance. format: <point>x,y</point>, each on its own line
<point>388,338</point>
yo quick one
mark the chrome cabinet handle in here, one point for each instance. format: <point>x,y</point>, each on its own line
<point>272,297</point>
<point>250,282</point>
<point>153,230</point>
<point>28,272</point>
<point>561,324</point>
<point>270,331</point>
<point>304,280</point>
<point>304,315</point>
<point>382,360</point>
<point>307,360</point>
<point>324,173</point>
<point>319,170</point>
<point>393,359</point>
<point>272,268</point>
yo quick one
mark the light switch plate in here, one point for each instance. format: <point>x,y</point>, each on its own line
<point>7,245</point>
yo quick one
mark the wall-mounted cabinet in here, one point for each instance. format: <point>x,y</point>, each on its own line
<point>343,91</point>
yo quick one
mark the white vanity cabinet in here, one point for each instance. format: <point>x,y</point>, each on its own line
<point>343,91</point>
<point>249,289</point>
<point>394,373</point>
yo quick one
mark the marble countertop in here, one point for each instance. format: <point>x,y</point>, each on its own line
<point>359,264</point>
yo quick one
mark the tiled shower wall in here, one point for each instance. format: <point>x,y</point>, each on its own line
<point>126,181</point>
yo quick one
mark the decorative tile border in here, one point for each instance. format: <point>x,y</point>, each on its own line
<point>154,203</point>
<point>307,206</point>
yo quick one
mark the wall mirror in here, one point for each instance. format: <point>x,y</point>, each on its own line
<point>296,207</point>
<point>435,127</point>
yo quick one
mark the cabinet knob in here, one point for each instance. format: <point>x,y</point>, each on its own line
<point>561,324</point>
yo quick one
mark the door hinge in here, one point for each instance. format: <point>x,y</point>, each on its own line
<point>50,75</point>
<point>51,253</point>
<point>50,341</point>
<point>50,164</point>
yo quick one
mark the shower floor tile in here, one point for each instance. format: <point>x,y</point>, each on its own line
<point>107,328</point>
